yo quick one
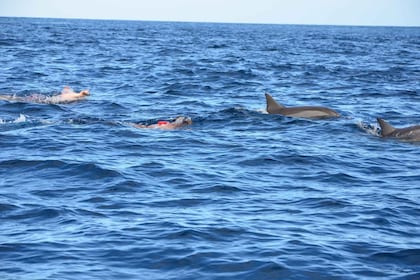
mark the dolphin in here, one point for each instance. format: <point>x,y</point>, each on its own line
<point>410,134</point>
<point>310,112</point>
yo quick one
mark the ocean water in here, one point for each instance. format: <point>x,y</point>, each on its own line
<point>240,194</point>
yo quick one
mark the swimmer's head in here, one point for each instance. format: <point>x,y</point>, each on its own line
<point>85,92</point>
<point>181,120</point>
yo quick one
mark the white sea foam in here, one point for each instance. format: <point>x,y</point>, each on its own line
<point>372,129</point>
<point>20,119</point>
<point>262,111</point>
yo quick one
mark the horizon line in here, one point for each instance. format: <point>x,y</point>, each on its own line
<point>212,22</point>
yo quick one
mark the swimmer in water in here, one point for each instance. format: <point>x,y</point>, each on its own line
<point>167,125</point>
<point>67,95</point>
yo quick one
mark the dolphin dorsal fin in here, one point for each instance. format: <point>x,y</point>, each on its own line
<point>272,105</point>
<point>386,127</point>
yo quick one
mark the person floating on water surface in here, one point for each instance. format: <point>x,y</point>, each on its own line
<point>67,95</point>
<point>179,122</point>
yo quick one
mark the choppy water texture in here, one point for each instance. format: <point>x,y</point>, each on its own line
<point>238,195</point>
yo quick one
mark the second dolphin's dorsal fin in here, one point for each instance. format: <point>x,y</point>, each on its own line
<point>272,105</point>
<point>387,129</point>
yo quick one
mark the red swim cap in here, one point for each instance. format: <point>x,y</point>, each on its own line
<point>162,122</point>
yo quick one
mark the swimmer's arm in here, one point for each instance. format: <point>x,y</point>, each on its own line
<point>154,126</point>
<point>11,98</point>
<point>5,97</point>
<point>68,97</point>
<point>137,125</point>
<point>151,126</point>
<point>68,90</point>
<point>82,94</point>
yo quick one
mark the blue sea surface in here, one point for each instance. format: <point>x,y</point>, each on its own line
<point>239,194</point>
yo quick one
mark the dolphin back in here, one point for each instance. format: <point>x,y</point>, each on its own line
<point>310,112</point>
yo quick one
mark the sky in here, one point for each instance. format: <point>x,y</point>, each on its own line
<point>330,12</point>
